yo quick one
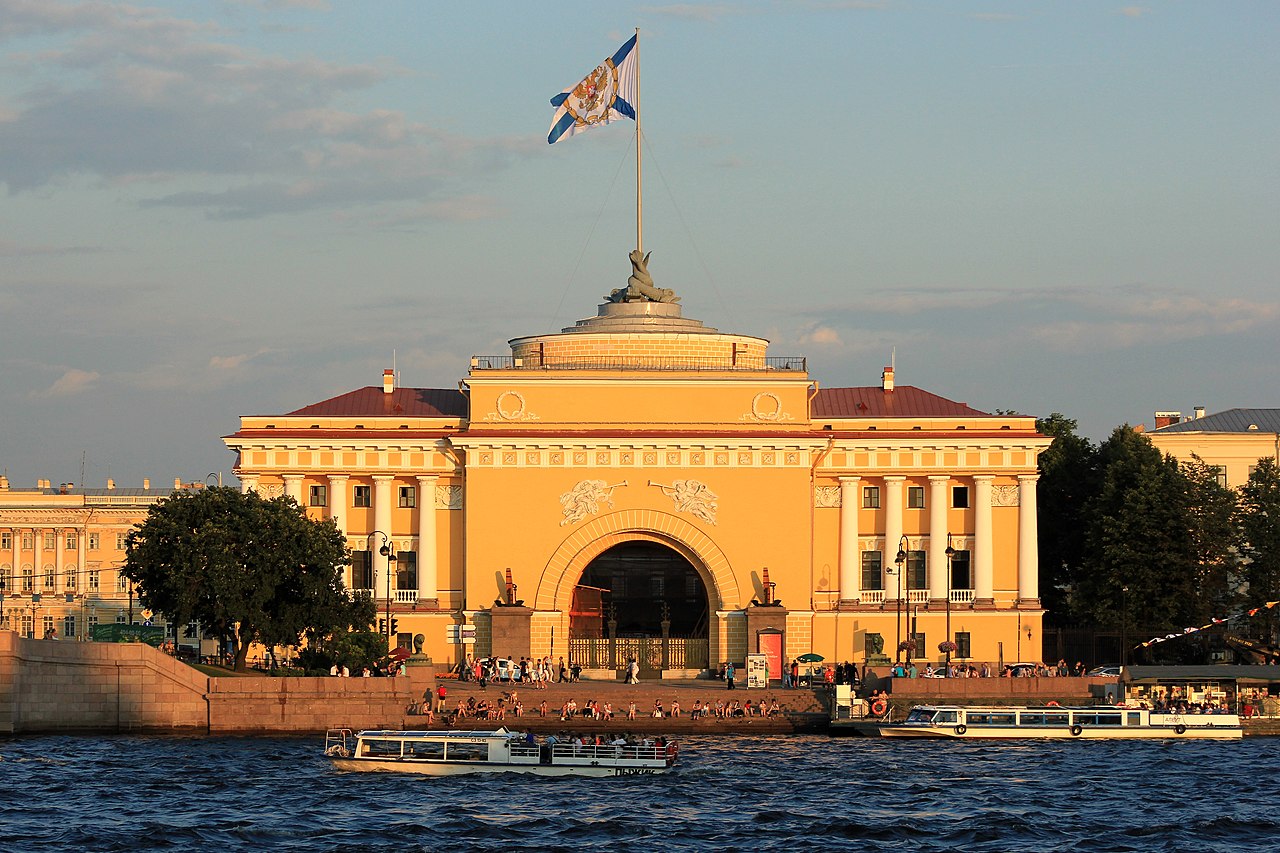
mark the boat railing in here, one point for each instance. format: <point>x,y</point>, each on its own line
<point>338,742</point>
<point>608,752</point>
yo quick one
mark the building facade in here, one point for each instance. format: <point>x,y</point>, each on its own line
<point>641,485</point>
<point>1231,441</point>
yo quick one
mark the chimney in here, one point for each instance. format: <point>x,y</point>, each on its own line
<point>1199,412</point>
<point>886,379</point>
<point>146,483</point>
<point>4,483</point>
<point>111,485</point>
<point>388,381</point>
<point>1164,419</point>
<point>177,483</point>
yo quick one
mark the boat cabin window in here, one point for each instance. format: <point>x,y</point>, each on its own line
<point>1056,718</point>
<point>433,750</point>
<point>382,748</point>
<point>468,752</point>
<point>1102,718</point>
<point>947,717</point>
<point>920,715</point>
<point>1031,718</point>
<point>1135,718</point>
<point>994,718</point>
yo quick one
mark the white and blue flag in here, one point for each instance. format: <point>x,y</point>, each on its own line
<point>604,95</point>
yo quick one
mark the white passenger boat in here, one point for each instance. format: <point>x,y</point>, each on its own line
<point>448,753</point>
<point>1083,723</point>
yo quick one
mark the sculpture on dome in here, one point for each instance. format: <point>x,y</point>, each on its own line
<point>640,284</point>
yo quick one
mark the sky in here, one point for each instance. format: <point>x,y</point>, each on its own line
<point>218,208</point>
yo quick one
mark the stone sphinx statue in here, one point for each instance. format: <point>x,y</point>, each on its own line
<point>640,286</point>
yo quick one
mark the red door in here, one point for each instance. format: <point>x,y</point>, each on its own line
<point>769,644</point>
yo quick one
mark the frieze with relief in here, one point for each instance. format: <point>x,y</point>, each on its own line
<point>826,496</point>
<point>585,498</point>
<point>766,406</point>
<point>448,497</point>
<point>1004,496</point>
<point>692,497</point>
<point>511,406</point>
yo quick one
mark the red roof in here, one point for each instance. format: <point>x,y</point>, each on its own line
<point>372,402</point>
<point>904,401</point>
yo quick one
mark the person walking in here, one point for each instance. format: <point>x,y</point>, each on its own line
<point>728,675</point>
<point>633,671</point>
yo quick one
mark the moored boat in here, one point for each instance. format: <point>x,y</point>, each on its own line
<point>1053,722</point>
<point>449,753</point>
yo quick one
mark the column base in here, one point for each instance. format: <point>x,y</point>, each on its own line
<point>984,604</point>
<point>1028,604</point>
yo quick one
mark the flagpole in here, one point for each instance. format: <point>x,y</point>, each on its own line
<point>639,194</point>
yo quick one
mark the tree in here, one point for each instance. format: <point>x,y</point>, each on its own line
<point>1068,479</point>
<point>1260,526</point>
<point>246,568</point>
<point>1139,554</point>
<point>1214,538</point>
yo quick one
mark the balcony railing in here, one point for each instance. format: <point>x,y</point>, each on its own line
<point>871,596</point>
<point>962,596</point>
<point>406,596</point>
<point>508,362</point>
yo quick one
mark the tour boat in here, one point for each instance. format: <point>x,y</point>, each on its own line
<point>1085,723</point>
<point>449,753</point>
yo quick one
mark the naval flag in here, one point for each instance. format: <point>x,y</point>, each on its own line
<point>604,95</point>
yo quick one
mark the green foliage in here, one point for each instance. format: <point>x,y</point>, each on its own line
<point>1215,539</point>
<point>1068,479</point>
<point>247,569</point>
<point>1260,525</point>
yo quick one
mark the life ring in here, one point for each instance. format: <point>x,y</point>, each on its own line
<point>961,729</point>
<point>1052,704</point>
<point>879,706</point>
<point>1076,730</point>
<point>671,752</point>
<point>1179,729</point>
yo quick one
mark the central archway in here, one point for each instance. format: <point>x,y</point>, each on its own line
<point>638,585</point>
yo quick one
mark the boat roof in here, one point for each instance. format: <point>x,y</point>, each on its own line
<point>501,732</point>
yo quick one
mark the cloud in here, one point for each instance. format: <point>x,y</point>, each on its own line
<point>996,17</point>
<point>1134,11</point>
<point>73,381</point>
<point>820,335</point>
<point>234,362</point>
<point>707,14</point>
<point>12,249</point>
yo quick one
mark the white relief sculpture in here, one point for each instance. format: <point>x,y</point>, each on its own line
<point>1004,496</point>
<point>693,497</point>
<point>271,490</point>
<point>511,406</point>
<point>584,499</point>
<point>766,406</point>
<point>826,496</point>
<point>448,497</point>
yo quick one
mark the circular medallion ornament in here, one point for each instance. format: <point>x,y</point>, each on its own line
<point>766,406</point>
<point>504,402</point>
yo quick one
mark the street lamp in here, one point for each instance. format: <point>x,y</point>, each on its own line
<point>387,550</point>
<point>1124,625</point>
<point>951,553</point>
<point>901,560</point>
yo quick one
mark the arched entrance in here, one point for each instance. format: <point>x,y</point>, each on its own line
<point>640,599</point>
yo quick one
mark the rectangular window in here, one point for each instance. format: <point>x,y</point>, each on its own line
<point>28,542</point>
<point>319,496</point>
<point>120,619</point>
<point>962,645</point>
<point>69,626</point>
<point>122,541</point>
<point>1220,472</point>
<point>870,497</point>
<point>46,625</point>
<point>28,580</point>
<point>360,496</point>
<point>93,623</point>
<point>94,580</point>
<point>408,496</point>
<point>71,541</point>
<point>50,541</point>
<point>960,497</point>
<point>961,577</point>
<point>93,541</point>
<point>122,582</point>
<point>6,580</point>
<point>28,626</point>
<point>71,580</point>
<point>6,541</point>
<point>922,650</point>
<point>48,579</point>
<point>916,570</point>
<point>915,497</point>
<point>361,569</point>
<point>407,570</point>
<point>872,573</point>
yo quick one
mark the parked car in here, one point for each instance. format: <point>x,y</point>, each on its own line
<point>1106,671</point>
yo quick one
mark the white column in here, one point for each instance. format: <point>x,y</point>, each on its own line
<point>293,486</point>
<point>58,577</point>
<point>381,521</point>
<point>338,501</point>
<point>248,483</point>
<point>983,562</point>
<point>850,554</point>
<point>1028,538</point>
<point>82,579</point>
<point>893,532</point>
<point>37,541</point>
<point>427,538</point>
<point>938,537</point>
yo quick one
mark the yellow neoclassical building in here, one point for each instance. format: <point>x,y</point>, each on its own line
<point>642,485</point>
<point>1230,441</point>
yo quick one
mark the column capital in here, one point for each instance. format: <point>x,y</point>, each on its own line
<point>427,478</point>
<point>338,478</point>
<point>290,476</point>
<point>939,478</point>
<point>383,478</point>
<point>849,478</point>
<point>983,478</point>
<point>894,478</point>
<point>1028,478</point>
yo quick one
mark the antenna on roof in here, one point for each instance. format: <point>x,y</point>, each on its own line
<point>893,358</point>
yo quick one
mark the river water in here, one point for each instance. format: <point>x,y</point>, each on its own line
<point>127,793</point>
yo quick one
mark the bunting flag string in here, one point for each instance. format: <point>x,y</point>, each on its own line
<point>1252,611</point>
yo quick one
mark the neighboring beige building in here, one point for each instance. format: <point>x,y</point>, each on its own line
<point>641,485</point>
<point>61,549</point>
<point>1232,441</point>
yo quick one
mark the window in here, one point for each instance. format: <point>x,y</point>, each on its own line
<point>872,574</point>
<point>28,542</point>
<point>870,497</point>
<point>960,497</point>
<point>28,625</point>
<point>50,541</point>
<point>93,541</point>
<point>120,619</point>
<point>122,541</point>
<point>93,623</point>
<point>360,496</point>
<point>916,570</point>
<point>1220,472</point>
<point>48,577</point>
<point>406,570</point>
<point>69,626</point>
<point>408,496</point>
<point>70,580</point>
<point>361,569</point>
<point>962,645</point>
<point>961,578</point>
<point>6,541</point>
<point>71,541</point>
<point>915,497</point>
<point>94,580</point>
<point>46,625</point>
<point>6,580</point>
<point>122,582</point>
<point>922,650</point>
<point>28,579</point>
<point>319,496</point>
